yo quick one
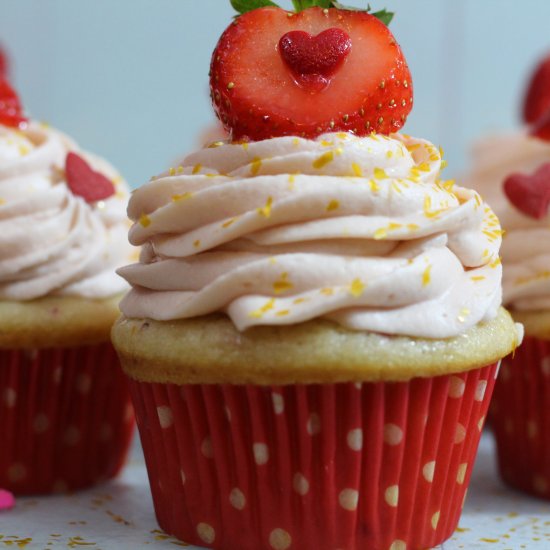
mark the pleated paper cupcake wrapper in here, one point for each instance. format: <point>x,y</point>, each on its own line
<point>521,418</point>
<point>314,467</point>
<point>66,418</point>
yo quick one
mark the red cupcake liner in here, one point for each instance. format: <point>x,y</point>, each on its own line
<point>324,467</point>
<point>66,418</point>
<point>521,418</point>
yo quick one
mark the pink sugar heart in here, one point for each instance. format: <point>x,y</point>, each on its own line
<point>7,501</point>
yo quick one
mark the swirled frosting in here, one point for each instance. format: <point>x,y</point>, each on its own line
<point>526,245</point>
<point>358,230</point>
<point>51,241</point>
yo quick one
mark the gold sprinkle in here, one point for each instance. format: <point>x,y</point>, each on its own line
<point>428,212</point>
<point>282,313</point>
<point>426,276</point>
<point>196,169</point>
<point>327,291</point>
<point>357,288</point>
<point>283,284</point>
<point>229,222</point>
<point>389,154</point>
<point>380,174</point>
<point>299,300</point>
<point>333,205</point>
<point>295,142</point>
<point>145,220</point>
<point>266,210</point>
<point>476,278</point>
<point>244,145</point>
<point>374,187</point>
<point>182,197</point>
<point>258,314</point>
<point>357,170</point>
<point>196,243</point>
<point>412,226</point>
<point>495,263</point>
<point>180,170</point>
<point>323,160</point>
<point>255,166</point>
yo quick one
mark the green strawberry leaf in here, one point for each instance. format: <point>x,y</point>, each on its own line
<point>384,15</point>
<point>242,6</point>
<point>300,5</point>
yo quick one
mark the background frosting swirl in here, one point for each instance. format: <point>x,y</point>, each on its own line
<point>51,241</point>
<point>526,243</point>
<point>358,230</point>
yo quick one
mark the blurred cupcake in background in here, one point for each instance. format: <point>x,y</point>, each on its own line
<point>512,172</point>
<point>65,415</point>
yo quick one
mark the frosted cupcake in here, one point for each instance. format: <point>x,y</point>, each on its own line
<point>65,414</point>
<point>314,325</point>
<point>513,173</point>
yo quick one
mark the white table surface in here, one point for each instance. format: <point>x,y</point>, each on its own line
<point>119,515</point>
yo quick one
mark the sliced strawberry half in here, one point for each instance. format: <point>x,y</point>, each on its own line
<point>530,193</point>
<point>11,112</point>
<point>537,98</point>
<point>269,78</point>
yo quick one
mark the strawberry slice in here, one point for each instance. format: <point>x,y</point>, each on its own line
<point>530,194</point>
<point>537,99</point>
<point>11,112</point>
<point>541,128</point>
<point>85,182</point>
<point>276,73</point>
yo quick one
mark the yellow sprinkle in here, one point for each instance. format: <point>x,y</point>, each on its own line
<point>477,278</point>
<point>485,253</point>
<point>488,540</point>
<point>145,220</point>
<point>380,234</point>
<point>327,291</point>
<point>357,288</point>
<point>196,243</point>
<point>393,226</point>
<point>2,201</point>
<point>443,164</point>
<point>424,167</point>
<point>196,169</point>
<point>428,212</point>
<point>374,187</point>
<point>333,205</point>
<point>255,166</point>
<point>495,263</point>
<point>215,144</point>
<point>323,160</point>
<point>395,187</point>
<point>295,142</point>
<point>272,260</point>
<point>291,179</point>
<point>266,210</point>
<point>326,143</point>
<point>389,154</point>
<point>357,170</point>
<point>283,284</point>
<point>412,226</point>
<point>270,304</point>
<point>182,197</point>
<point>180,170</point>
<point>441,152</point>
<point>426,276</point>
<point>299,300</point>
<point>413,147</point>
<point>282,313</point>
<point>342,135</point>
<point>379,174</point>
<point>24,150</point>
<point>448,185</point>
<point>244,145</point>
<point>229,222</point>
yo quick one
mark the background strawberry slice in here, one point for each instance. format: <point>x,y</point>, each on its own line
<point>257,95</point>
<point>11,112</point>
<point>537,100</point>
<point>530,194</point>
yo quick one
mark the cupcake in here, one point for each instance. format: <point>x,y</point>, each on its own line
<point>65,411</point>
<point>314,325</point>
<point>513,173</point>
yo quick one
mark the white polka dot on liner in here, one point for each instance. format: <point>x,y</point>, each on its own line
<point>391,495</point>
<point>300,484</point>
<point>261,453</point>
<point>456,387</point>
<point>237,499</point>
<point>393,434</point>
<point>428,471</point>
<point>313,424</point>
<point>206,533</point>
<point>183,477</point>
<point>398,545</point>
<point>349,499</point>
<point>17,472</point>
<point>278,403</point>
<point>128,412</point>
<point>40,423</point>
<point>206,447</point>
<point>435,520</point>
<point>532,429</point>
<point>57,375</point>
<point>545,366</point>
<point>480,423</point>
<point>460,433</point>
<point>461,474</point>
<point>71,436</point>
<point>279,539</point>
<point>228,413</point>
<point>497,370</point>
<point>166,418</point>
<point>83,383</point>
<point>481,388</point>
<point>355,439</point>
<point>9,397</point>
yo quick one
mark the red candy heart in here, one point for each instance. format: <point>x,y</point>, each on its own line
<point>11,112</point>
<point>313,59</point>
<point>85,182</point>
<point>530,194</point>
